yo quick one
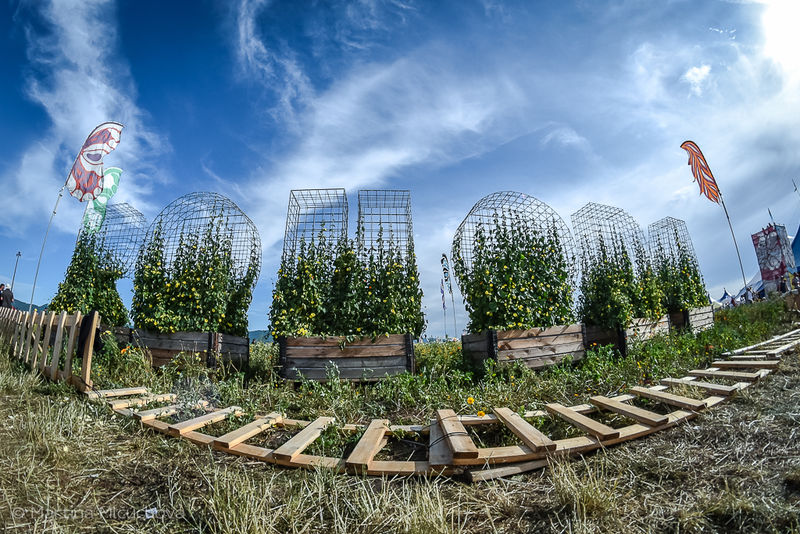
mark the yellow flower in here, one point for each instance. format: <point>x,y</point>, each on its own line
<point>481,413</point>
<point>470,400</point>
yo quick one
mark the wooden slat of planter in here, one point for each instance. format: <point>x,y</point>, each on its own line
<point>345,362</point>
<point>516,354</point>
<point>394,339</point>
<point>350,374</point>
<point>179,429</point>
<point>290,450</point>
<point>733,375</point>
<point>235,437</point>
<point>539,362</point>
<point>669,398</point>
<point>348,352</point>
<point>595,428</point>
<point>539,332</point>
<point>744,364</point>
<point>368,446</point>
<point>529,434</point>
<point>456,435</point>
<point>543,342</point>
<point>718,389</point>
<point>633,412</point>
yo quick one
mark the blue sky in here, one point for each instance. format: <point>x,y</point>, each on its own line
<point>570,102</point>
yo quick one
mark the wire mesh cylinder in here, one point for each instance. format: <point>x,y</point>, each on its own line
<point>312,212</point>
<point>594,224</point>
<point>121,233</point>
<point>668,236</point>
<point>385,215</point>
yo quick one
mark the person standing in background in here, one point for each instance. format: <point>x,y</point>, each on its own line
<point>8,298</point>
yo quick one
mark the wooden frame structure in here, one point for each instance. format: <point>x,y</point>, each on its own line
<point>450,451</point>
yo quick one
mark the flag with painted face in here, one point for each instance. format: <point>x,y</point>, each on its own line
<point>441,288</point>
<point>85,180</point>
<point>96,210</point>
<point>701,171</point>
<point>446,273</point>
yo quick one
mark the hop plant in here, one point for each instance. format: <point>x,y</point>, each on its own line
<point>90,283</point>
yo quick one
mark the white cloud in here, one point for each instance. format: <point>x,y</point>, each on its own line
<point>696,77</point>
<point>566,136</point>
<point>79,83</point>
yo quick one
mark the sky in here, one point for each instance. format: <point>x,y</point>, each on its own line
<point>568,101</point>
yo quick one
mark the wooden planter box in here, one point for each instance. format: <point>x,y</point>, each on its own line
<point>535,347</point>
<point>363,359</point>
<point>643,329</point>
<point>701,318</point>
<point>213,347</point>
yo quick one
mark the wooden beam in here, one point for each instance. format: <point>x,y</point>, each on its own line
<point>118,404</point>
<point>45,347</point>
<point>529,434</point>
<point>717,389</point>
<point>439,454</point>
<point>633,412</point>
<point>298,443</point>
<point>745,364</point>
<point>669,398</point>
<point>235,437</point>
<point>595,428</point>
<point>368,446</point>
<point>55,359</point>
<point>121,392</point>
<point>66,374</point>
<point>733,375</point>
<point>456,435</point>
<point>179,429</point>
<point>147,415</point>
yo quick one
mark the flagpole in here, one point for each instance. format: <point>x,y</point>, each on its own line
<point>735,244</point>
<point>453,302</point>
<point>41,253</point>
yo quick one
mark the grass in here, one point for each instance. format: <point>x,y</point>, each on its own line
<point>67,464</point>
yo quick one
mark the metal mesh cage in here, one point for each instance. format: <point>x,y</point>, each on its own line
<point>595,223</point>
<point>667,235</point>
<point>193,213</point>
<point>385,214</point>
<point>121,233</point>
<point>515,209</point>
<point>310,212</point>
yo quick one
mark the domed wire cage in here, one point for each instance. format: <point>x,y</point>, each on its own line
<point>192,214</point>
<point>516,210</point>
<point>599,223</point>
<point>121,233</point>
<point>667,235</point>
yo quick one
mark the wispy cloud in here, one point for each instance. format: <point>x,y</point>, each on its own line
<point>78,79</point>
<point>696,77</point>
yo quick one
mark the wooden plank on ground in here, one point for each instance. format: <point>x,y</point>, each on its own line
<point>439,454</point>
<point>235,437</point>
<point>120,392</point>
<point>482,475</point>
<point>595,428</point>
<point>117,404</point>
<point>745,364</point>
<point>147,415</point>
<point>529,434</point>
<point>633,412</point>
<point>733,375</point>
<point>298,443</point>
<point>669,398</point>
<point>717,389</point>
<point>179,429</point>
<point>368,446</point>
<point>456,435</point>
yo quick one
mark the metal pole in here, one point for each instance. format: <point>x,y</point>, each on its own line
<point>39,263</point>
<point>744,278</point>
<point>453,302</point>
<point>15,270</point>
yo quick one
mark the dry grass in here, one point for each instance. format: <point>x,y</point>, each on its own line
<point>67,464</point>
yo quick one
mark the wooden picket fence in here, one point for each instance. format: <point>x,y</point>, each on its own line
<point>48,343</point>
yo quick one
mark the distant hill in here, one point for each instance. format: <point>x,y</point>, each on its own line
<point>22,305</point>
<point>260,335</point>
